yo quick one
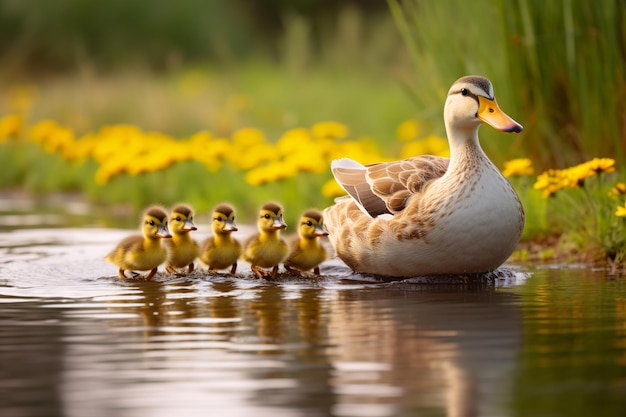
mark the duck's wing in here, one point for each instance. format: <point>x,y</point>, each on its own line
<point>294,247</point>
<point>130,245</point>
<point>384,188</point>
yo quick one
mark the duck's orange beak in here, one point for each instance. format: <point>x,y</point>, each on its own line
<point>490,113</point>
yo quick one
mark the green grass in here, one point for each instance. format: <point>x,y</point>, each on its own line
<point>558,67</point>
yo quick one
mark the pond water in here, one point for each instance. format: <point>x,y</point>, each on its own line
<point>75,340</point>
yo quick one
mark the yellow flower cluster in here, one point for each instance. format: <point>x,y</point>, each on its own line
<point>553,180</point>
<point>518,167</point>
<point>126,149</point>
<point>619,190</point>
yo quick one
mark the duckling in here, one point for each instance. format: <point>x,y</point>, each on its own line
<point>220,250</point>
<point>182,250</point>
<point>267,249</point>
<point>145,252</point>
<point>305,250</point>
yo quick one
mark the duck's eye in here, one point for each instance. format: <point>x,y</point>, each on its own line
<point>464,91</point>
<point>178,219</point>
<point>151,222</point>
<point>309,223</point>
<point>218,218</point>
<point>267,216</point>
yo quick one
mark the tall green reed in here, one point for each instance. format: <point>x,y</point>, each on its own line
<point>558,66</point>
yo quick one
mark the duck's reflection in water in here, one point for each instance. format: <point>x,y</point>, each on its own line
<point>315,349</point>
<point>402,349</point>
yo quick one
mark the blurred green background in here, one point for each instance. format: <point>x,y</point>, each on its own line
<point>556,66</point>
<point>183,67</point>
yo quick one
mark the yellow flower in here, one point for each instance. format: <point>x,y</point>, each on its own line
<point>42,130</point>
<point>549,182</point>
<point>575,176</point>
<point>207,150</point>
<point>252,156</point>
<point>269,173</point>
<point>247,137</point>
<point>293,140</point>
<point>621,211</point>
<point>518,167</point>
<point>332,189</point>
<point>430,145</point>
<point>10,126</point>
<point>59,139</point>
<point>329,130</point>
<point>601,165</point>
<point>407,130</point>
<point>618,189</point>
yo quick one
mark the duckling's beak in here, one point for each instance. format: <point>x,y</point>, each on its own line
<point>229,226</point>
<point>490,113</point>
<point>163,232</point>
<point>320,230</point>
<point>279,223</point>
<point>188,226</point>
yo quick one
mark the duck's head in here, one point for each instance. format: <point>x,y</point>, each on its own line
<point>312,224</point>
<point>471,102</point>
<point>223,219</point>
<point>271,218</point>
<point>155,223</point>
<point>182,219</point>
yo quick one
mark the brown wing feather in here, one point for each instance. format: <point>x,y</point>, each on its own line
<point>354,181</point>
<point>395,182</point>
<point>386,187</point>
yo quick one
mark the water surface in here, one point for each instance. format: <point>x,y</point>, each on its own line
<point>75,340</point>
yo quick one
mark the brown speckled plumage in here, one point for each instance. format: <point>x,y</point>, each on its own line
<point>427,214</point>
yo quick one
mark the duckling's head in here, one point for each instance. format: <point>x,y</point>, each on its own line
<point>271,218</point>
<point>182,219</point>
<point>471,102</point>
<point>312,224</point>
<point>223,219</point>
<point>155,223</point>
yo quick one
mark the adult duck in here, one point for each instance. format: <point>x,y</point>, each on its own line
<point>430,215</point>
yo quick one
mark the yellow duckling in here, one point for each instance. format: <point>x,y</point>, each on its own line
<point>267,249</point>
<point>182,250</point>
<point>221,251</point>
<point>143,253</point>
<point>306,252</point>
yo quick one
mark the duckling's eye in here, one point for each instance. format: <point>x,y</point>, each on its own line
<point>309,223</point>
<point>267,216</point>
<point>178,218</point>
<point>151,222</point>
<point>218,218</point>
<point>464,91</point>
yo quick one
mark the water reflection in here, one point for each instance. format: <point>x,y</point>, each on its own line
<point>78,341</point>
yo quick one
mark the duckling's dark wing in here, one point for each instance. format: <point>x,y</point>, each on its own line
<point>249,243</point>
<point>293,242</point>
<point>128,244</point>
<point>208,244</point>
